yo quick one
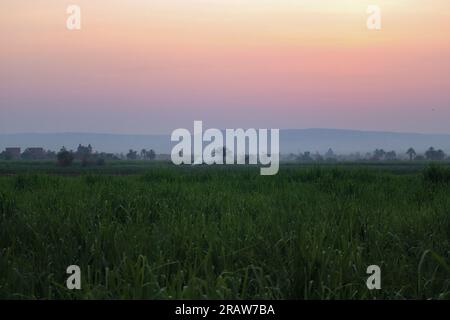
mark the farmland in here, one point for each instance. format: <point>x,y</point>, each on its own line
<point>155,231</point>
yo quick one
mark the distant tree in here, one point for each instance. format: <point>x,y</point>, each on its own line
<point>65,158</point>
<point>27,155</point>
<point>151,154</point>
<point>143,154</point>
<point>148,155</point>
<point>440,155</point>
<point>378,155</point>
<point>330,154</point>
<point>107,156</point>
<point>132,155</point>
<point>435,155</point>
<point>430,154</point>
<point>84,153</point>
<point>390,156</point>
<point>411,153</point>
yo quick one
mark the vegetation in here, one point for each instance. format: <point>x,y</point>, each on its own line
<point>226,232</point>
<point>65,158</point>
<point>87,156</point>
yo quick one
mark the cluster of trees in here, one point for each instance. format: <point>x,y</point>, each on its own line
<point>307,156</point>
<point>87,156</point>
<point>381,155</point>
<point>65,158</point>
<point>377,155</point>
<point>143,155</point>
<point>430,154</point>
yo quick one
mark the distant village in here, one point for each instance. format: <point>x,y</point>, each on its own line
<point>87,156</point>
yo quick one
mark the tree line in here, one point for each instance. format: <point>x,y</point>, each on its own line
<point>84,154</point>
<point>87,156</point>
<point>430,154</point>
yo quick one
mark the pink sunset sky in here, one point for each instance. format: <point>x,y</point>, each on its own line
<point>152,66</point>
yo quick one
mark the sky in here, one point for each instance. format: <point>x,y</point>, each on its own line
<point>147,67</point>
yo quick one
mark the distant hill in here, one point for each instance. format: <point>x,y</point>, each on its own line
<point>291,141</point>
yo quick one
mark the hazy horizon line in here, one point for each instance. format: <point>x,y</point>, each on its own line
<point>281,129</point>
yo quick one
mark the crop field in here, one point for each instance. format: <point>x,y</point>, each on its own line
<point>164,232</point>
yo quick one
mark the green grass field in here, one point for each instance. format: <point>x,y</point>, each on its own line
<point>163,232</point>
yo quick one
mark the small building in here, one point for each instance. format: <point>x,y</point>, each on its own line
<point>12,153</point>
<point>34,154</point>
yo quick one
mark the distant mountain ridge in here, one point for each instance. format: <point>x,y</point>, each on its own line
<point>291,141</point>
<point>350,141</point>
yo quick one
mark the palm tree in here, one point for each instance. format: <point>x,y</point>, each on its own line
<point>411,153</point>
<point>143,154</point>
<point>151,155</point>
<point>132,155</point>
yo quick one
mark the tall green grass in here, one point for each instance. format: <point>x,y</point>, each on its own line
<point>226,233</point>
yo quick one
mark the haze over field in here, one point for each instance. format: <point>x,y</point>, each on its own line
<point>291,141</point>
<point>150,66</point>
